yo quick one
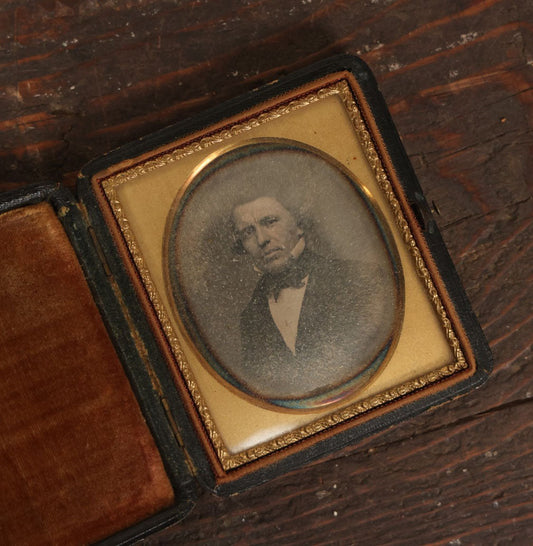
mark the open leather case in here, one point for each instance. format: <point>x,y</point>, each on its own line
<point>151,337</point>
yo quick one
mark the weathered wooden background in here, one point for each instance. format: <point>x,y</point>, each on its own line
<point>78,78</point>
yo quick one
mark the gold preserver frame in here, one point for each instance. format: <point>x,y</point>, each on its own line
<point>229,460</point>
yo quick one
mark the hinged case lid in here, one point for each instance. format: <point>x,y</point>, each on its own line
<point>85,439</point>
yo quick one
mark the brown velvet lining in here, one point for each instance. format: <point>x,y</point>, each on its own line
<point>77,461</point>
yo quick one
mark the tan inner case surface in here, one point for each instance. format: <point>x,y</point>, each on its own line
<point>146,201</point>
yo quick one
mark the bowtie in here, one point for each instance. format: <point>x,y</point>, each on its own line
<point>293,277</point>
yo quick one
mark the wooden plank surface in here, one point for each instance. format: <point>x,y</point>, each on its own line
<point>78,78</point>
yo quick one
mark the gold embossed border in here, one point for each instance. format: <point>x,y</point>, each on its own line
<point>228,460</point>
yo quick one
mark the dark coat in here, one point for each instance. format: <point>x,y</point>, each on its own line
<point>333,305</point>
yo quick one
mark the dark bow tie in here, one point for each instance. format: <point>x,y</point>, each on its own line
<point>292,277</point>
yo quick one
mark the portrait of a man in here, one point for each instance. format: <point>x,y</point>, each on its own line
<point>283,302</point>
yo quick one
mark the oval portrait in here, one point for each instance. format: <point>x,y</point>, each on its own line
<point>283,274</point>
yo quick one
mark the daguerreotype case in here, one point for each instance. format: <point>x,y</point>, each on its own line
<point>226,300</point>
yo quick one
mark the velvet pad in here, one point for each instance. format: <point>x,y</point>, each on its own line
<point>77,461</point>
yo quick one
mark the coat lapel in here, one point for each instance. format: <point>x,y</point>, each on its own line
<point>312,312</point>
<point>272,339</point>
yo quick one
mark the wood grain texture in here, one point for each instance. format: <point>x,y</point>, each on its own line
<point>78,78</point>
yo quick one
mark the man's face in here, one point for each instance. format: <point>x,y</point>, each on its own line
<point>268,232</point>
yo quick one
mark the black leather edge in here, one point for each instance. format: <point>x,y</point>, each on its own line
<point>190,446</point>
